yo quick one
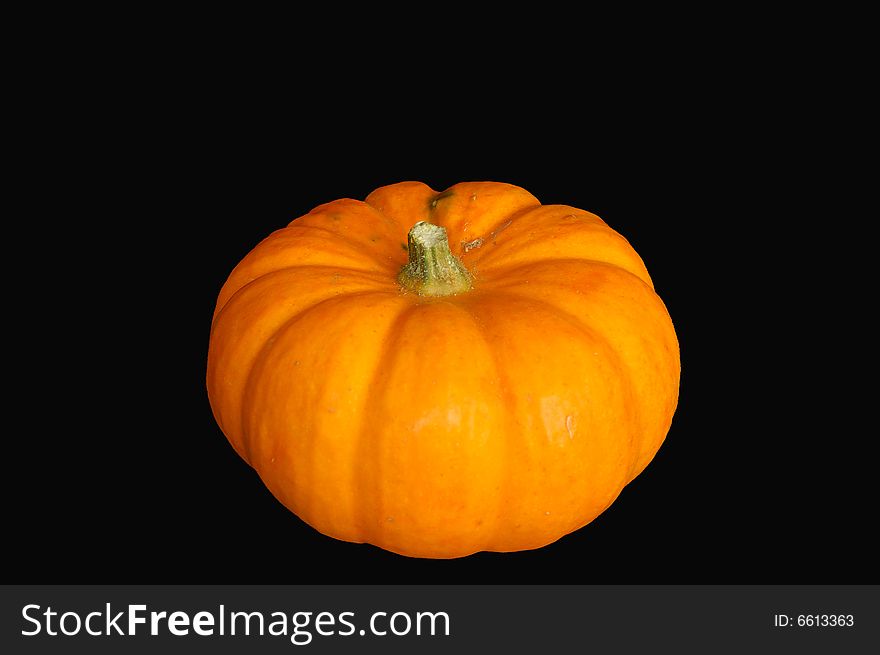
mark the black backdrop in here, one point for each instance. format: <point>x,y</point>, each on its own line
<point>123,477</point>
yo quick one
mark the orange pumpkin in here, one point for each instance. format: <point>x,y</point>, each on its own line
<point>493,391</point>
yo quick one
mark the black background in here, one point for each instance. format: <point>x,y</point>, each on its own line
<point>120,474</point>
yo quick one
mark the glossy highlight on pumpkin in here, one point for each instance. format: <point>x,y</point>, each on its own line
<point>500,417</point>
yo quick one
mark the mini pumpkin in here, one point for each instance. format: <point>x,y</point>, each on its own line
<point>444,373</point>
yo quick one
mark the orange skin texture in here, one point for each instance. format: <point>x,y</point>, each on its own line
<point>499,419</point>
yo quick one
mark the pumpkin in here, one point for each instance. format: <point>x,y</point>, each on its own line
<point>439,374</point>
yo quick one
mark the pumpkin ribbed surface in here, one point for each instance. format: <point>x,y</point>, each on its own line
<point>498,418</point>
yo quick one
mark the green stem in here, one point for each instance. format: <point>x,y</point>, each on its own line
<point>432,269</point>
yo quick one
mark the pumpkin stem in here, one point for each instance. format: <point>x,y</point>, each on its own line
<point>432,269</point>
